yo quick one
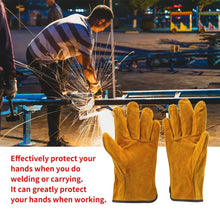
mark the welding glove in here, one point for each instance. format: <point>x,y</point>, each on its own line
<point>95,88</point>
<point>186,145</point>
<point>134,154</point>
<point>11,88</point>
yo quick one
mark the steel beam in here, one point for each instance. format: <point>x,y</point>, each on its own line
<point>161,101</point>
<point>172,93</point>
<point>39,102</point>
<point>31,103</point>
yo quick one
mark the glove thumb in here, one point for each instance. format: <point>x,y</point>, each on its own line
<point>112,147</point>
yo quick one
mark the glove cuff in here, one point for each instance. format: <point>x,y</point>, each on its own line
<point>135,188</point>
<point>185,194</point>
<point>135,201</point>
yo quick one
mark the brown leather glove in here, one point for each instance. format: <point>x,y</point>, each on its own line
<point>186,144</point>
<point>95,87</point>
<point>134,153</point>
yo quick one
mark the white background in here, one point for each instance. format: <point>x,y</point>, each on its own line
<point>99,178</point>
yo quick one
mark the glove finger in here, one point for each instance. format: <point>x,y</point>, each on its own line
<point>175,121</point>
<point>112,147</point>
<point>199,119</point>
<point>155,132</point>
<point>201,148</point>
<point>168,130</point>
<point>122,135</point>
<point>133,121</point>
<point>146,124</point>
<point>186,117</point>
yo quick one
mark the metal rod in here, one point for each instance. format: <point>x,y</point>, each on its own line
<point>165,101</point>
<point>29,102</point>
<point>189,92</point>
<point>30,96</point>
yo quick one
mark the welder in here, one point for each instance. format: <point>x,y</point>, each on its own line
<point>63,39</point>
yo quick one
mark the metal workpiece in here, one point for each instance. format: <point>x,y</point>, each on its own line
<point>35,101</point>
<point>162,101</point>
<point>210,96</point>
<point>172,93</point>
<point>29,103</point>
<point>89,106</point>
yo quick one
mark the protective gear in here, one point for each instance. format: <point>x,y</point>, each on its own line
<point>134,153</point>
<point>11,88</point>
<point>186,144</point>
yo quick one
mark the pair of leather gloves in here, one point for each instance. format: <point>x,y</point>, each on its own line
<point>134,152</point>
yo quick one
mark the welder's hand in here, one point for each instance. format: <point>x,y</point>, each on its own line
<point>186,144</point>
<point>11,88</point>
<point>134,153</point>
<point>95,88</point>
